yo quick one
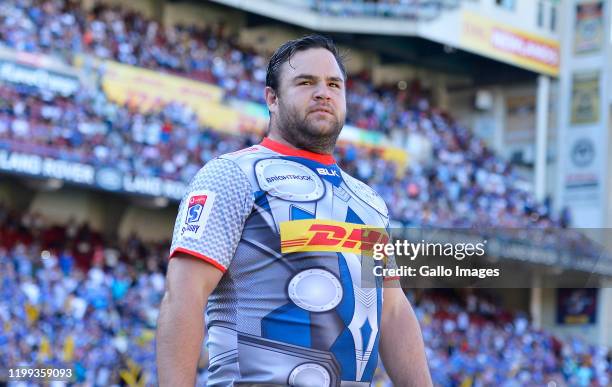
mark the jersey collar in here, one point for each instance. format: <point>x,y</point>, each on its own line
<point>290,151</point>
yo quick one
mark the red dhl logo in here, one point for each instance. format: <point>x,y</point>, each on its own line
<point>328,235</point>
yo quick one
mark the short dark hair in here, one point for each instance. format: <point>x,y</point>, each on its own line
<point>288,49</point>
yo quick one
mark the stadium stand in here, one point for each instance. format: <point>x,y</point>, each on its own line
<point>467,185</point>
<point>94,305</point>
<point>89,128</point>
<point>206,55</point>
<point>71,297</point>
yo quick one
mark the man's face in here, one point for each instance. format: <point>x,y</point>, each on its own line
<point>310,105</point>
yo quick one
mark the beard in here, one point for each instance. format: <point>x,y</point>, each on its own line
<point>308,132</point>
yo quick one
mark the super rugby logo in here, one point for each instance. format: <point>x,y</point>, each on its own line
<point>196,205</point>
<point>327,235</point>
<point>199,205</point>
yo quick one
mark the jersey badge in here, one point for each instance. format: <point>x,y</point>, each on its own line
<point>199,205</point>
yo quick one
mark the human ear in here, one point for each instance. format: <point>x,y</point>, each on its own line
<point>271,99</point>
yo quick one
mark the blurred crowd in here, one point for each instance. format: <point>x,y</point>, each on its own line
<point>72,298</point>
<point>464,185</point>
<point>62,27</point>
<point>91,129</point>
<point>471,341</point>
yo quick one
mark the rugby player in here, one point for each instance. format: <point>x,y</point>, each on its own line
<point>267,241</point>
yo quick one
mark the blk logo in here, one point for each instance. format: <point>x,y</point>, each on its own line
<point>327,172</point>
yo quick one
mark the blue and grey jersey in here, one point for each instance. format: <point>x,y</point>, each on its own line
<point>287,228</point>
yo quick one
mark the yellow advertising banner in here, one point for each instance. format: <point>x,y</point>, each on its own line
<point>371,139</point>
<point>218,116</point>
<point>510,45</point>
<point>148,90</point>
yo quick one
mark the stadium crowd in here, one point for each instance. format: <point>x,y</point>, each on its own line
<point>63,28</point>
<point>73,298</point>
<point>467,184</point>
<point>88,128</point>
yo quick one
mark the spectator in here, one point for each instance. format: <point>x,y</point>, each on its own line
<point>99,320</point>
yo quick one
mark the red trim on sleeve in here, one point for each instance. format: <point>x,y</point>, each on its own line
<point>289,151</point>
<point>199,256</point>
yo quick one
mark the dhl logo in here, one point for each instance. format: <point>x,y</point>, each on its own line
<point>329,235</point>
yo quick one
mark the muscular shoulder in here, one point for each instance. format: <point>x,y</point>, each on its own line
<point>366,194</point>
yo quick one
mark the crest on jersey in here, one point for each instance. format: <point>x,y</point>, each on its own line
<point>195,208</point>
<point>199,205</point>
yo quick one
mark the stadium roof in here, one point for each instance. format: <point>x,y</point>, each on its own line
<point>393,39</point>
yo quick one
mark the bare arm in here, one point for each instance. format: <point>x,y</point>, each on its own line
<point>180,327</point>
<point>401,343</point>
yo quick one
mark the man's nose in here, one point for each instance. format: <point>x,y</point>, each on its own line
<point>322,92</point>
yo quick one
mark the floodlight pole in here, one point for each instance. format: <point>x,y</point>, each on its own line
<point>541,136</point>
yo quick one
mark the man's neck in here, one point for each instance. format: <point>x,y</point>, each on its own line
<point>275,135</point>
<point>289,150</point>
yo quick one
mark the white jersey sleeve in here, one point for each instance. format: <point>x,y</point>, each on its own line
<point>212,214</point>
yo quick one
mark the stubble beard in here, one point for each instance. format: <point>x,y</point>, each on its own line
<point>304,134</point>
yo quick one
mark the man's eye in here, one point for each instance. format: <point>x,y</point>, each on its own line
<point>333,84</point>
<point>305,83</point>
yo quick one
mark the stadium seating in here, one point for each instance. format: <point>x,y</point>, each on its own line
<point>466,185</point>
<point>89,128</point>
<point>94,305</point>
<point>72,298</point>
<point>208,55</point>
